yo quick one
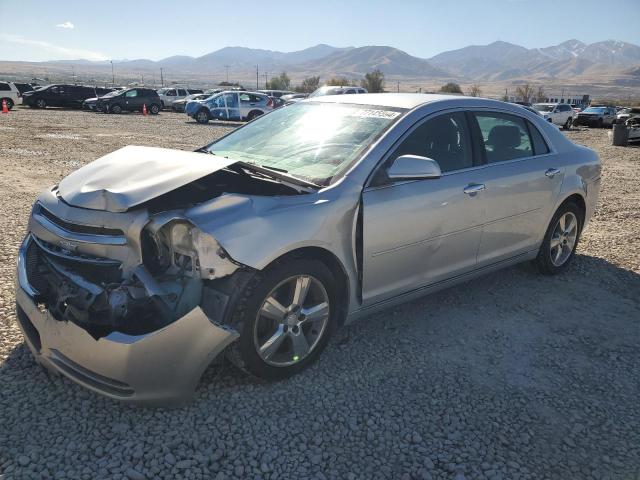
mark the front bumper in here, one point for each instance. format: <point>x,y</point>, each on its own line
<point>159,368</point>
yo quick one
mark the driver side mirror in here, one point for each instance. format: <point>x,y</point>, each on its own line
<point>413,167</point>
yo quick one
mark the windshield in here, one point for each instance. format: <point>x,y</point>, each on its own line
<point>162,90</point>
<point>111,94</point>
<point>312,141</point>
<point>543,107</point>
<point>594,110</point>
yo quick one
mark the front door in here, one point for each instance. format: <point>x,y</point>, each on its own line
<point>233,106</point>
<point>132,100</point>
<point>521,182</point>
<point>417,233</point>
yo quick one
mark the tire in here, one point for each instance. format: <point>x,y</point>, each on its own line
<point>202,116</point>
<point>548,261</point>
<point>9,103</point>
<point>600,123</point>
<point>115,109</point>
<point>289,341</point>
<point>41,103</point>
<point>567,125</point>
<point>253,114</point>
<point>154,109</point>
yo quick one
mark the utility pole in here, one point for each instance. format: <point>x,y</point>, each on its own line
<point>73,74</point>
<point>227,67</point>
<point>113,75</point>
<point>161,78</point>
<point>266,79</point>
<point>398,86</point>
<point>142,77</point>
<point>257,87</point>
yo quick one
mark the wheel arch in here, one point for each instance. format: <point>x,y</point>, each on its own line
<point>333,263</point>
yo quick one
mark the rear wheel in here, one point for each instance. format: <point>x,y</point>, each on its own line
<point>253,114</point>
<point>9,103</point>
<point>115,109</point>
<point>560,240</point>
<point>202,116</point>
<point>41,103</point>
<point>285,320</point>
<point>154,109</point>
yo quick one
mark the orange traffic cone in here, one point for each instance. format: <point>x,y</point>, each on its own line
<point>144,109</point>
<point>5,109</point>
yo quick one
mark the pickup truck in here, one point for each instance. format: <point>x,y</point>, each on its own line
<point>597,117</point>
<point>557,113</point>
<point>168,95</point>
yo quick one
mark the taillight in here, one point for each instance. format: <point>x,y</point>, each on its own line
<point>270,103</point>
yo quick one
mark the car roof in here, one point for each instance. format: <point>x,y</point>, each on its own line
<point>402,100</point>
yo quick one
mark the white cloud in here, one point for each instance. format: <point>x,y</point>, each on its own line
<point>66,24</point>
<point>67,53</point>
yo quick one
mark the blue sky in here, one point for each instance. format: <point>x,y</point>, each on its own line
<point>62,29</point>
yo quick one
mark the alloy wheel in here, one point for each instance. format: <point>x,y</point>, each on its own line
<point>563,239</point>
<point>291,321</point>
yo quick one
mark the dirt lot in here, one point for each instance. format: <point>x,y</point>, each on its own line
<point>513,376</point>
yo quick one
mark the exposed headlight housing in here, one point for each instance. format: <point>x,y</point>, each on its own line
<point>180,247</point>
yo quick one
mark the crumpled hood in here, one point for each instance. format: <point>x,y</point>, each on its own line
<point>133,175</point>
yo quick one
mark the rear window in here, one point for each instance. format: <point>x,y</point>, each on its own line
<point>505,137</point>
<point>540,147</point>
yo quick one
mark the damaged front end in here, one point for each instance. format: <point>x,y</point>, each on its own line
<point>140,324</point>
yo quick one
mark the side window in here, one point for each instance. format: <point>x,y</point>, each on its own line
<point>540,147</point>
<point>54,90</point>
<point>182,92</point>
<point>445,139</point>
<point>244,97</point>
<point>351,90</point>
<point>4,86</point>
<point>170,93</point>
<point>131,93</point>
<point>505,137</point>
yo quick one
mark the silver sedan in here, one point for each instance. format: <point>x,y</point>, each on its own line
<point>143,267</point>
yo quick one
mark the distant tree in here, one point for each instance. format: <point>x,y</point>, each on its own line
<point>373,81</point>
<point>309,84</point>
<point>281,82</point>
<point>451,87</point>
<point>541,96</point>
<point>525,92</point>
<point>338,82</point>
<point>475,91</point>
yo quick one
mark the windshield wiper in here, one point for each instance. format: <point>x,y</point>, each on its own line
<point>278,174</point>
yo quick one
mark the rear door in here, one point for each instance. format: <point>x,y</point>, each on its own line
<point>233,106</point>
<point>522,179</point>
<point>132,100</point>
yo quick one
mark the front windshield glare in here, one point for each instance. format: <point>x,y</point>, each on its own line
<point>312,141</point>
<point>594,110</point>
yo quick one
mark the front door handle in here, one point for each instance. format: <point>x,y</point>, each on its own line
<point>474,188</point>
<point>552,172</point>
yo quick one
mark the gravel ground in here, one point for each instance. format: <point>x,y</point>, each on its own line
<point>515,376</point>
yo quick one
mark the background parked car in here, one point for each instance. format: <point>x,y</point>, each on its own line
<point>168,95</point>
<point>178,105</point>
<point>9,93</point>
<point>331,90</point>
<point>294,97</point>
<point>228,105</point>
<point>557,113</point>
<point>625,114</point>
<point>131,100</point>
<point>24,87</point>
<point>275,93</point>
<point>61,95</point>
<point>277,102</point>
<point>91,103</point>
<point>596,117</point>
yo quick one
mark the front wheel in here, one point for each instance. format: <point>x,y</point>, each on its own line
<point>568,123</point>
<point>9,103</point>
<point>154,109</point>
<point>115,109</point>
<point>253,114</point>
<point>202,116</point>
<point>285,320</point>
<point>560,240</point>
<point>41,103</point>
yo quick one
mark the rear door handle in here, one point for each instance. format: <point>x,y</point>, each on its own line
<point>552,172</point>
<point>474,188</point>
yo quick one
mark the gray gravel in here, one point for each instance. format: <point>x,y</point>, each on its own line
<point>515,376</point>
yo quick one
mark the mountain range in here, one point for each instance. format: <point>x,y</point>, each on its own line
<point>611,61</point>
<point>496,61</point>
